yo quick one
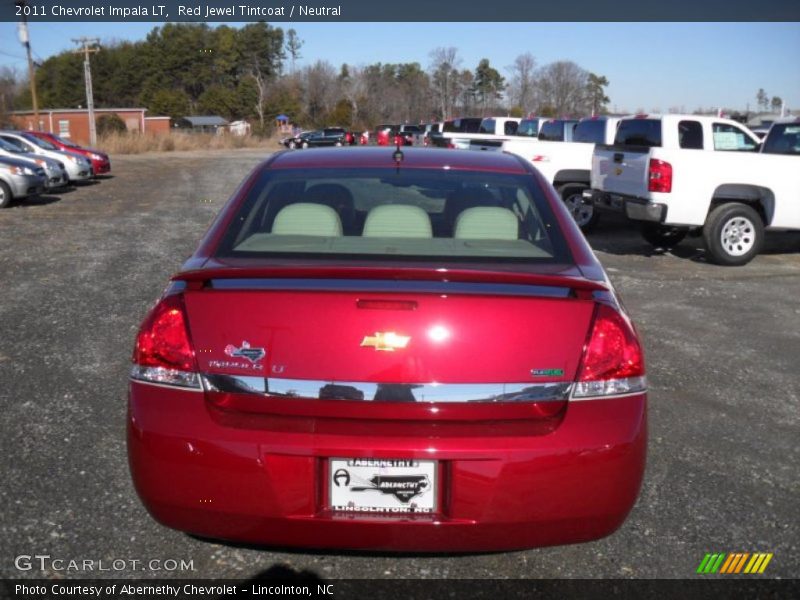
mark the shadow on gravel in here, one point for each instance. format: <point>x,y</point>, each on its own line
<point>103,177</point>
<point>615,234</point>
<point>88,183</point>
<point>37,201</point>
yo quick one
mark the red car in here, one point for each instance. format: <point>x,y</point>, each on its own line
<point>406,353</point>
<point>101,163</point>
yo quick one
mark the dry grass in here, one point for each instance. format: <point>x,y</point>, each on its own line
<point>133,143</point>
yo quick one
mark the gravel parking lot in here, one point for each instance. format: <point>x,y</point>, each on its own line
<point>80,270</point>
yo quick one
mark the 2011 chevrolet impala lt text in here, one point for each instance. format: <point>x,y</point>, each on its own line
<point>412,350</point>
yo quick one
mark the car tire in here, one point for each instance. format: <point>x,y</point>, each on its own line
<point>338,143</point>
<point>304,145</point>
<point>662,236</point>
<point>292,145</point>
<point>5,195</point>
<point>585,214</point>
<point>733,234</point>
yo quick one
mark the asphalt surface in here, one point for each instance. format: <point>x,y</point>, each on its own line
<point>79,271</point>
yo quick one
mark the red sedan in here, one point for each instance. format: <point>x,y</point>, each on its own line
<point>101,163</point>
<point>406,352</point>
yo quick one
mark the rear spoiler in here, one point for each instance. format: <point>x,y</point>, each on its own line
<point>577,284</point>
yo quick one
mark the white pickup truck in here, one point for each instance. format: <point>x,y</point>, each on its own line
<point>568,164</point>
<point>693,174</point>
<point>461,133</point>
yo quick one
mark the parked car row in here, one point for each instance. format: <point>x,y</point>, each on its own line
<point>317,138</point>
<point>36,162</point>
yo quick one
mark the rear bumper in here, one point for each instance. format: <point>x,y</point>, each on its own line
<point>263,479</point>
<point>637,209</point>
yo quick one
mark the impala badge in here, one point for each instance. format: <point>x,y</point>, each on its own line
<point>387,341</point>
<point>252,354</point>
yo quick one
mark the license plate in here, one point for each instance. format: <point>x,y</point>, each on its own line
<point>388,486</point>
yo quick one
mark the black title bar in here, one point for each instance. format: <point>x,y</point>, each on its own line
<point>171,11</point>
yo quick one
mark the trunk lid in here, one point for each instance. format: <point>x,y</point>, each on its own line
<point>367,329</point>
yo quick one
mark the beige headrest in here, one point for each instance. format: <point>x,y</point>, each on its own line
<point>398,220</point>
<point>305,218</point>
<point>487,223</point>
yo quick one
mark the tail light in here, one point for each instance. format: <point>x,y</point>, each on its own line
<point>163,352</point>
<point>612,363</point>
<point>451,145</point>
<point>659,176</point>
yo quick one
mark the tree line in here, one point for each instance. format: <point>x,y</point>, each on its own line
<point>251,73</point>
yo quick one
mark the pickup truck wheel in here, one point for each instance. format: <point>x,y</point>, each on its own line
<point>5,195</point>
<point>292,145</point>
<point>734,234</point>
<point>583,212</point>
<point>662,236</point>
<point>304,145</point>
<point>338,143</point>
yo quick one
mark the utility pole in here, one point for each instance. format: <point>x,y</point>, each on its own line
<point>89,46</point>
<point>24,39</point>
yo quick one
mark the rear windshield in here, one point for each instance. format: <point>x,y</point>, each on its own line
<point>389,214</point>
<point>528,127</point>
<point>639,132</point>
<point>783,138</point>
<point>592,131</point>
<point>557,131</point>
<point>471,125</point>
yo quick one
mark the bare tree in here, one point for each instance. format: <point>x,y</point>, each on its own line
<point>321,90</point>
<point>444,77</point>
<point>521,88</point>
<point>561,88</point>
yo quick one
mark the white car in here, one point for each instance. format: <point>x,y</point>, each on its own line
<point>54,169</point>
<point>79,168</point>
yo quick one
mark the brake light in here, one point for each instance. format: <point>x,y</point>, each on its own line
<point>659,176</point>
<point>451,145</point>
<point>163,352</point>
<point>613,362</point>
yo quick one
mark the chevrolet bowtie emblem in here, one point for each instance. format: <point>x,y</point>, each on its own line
<point>387,341</point>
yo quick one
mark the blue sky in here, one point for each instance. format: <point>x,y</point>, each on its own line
<point>649,65</point>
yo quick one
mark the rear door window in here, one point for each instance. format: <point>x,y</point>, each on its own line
<point>510,127</point>
<point>690,135</point>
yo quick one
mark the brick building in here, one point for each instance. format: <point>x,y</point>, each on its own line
<point>73,123</point>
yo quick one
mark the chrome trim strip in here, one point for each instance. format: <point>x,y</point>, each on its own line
<point>368,391</point>
<point>167,386</point>
<point>394,286</point>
